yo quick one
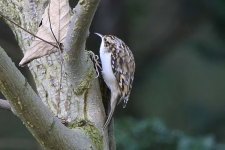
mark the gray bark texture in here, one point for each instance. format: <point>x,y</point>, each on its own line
<point>79,103</point>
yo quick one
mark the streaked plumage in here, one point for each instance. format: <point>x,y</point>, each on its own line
<point>118,67</point>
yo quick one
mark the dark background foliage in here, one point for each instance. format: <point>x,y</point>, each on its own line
<point>178,98</point>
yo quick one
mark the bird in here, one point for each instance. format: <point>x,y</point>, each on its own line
<point>118,67</point>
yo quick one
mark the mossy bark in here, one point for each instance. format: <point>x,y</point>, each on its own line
<point>80,97</point>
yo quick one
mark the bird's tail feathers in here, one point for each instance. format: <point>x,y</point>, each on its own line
<point>113,102</point>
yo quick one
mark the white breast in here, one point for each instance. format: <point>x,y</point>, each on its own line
<point>107,72</point>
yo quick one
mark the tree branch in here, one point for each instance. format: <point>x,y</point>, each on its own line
<point>4,104</point>
<point>80,102</point>
<point>79,26</point>
<point>39,120</point>
<point>79,68</point>
<point>76,38</point>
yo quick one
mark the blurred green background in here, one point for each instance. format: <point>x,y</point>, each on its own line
<point>178,96</point>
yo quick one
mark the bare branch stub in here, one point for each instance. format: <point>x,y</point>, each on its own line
<point>4,104</point>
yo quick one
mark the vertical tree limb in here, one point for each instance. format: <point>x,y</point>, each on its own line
<point>80,94</point>
<point>77,35</point>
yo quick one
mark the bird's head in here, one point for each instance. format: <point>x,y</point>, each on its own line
<point>109,41</point>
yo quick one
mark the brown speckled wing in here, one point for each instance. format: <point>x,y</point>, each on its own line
<point>123,67</point>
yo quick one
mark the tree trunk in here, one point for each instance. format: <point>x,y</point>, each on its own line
<point>79,102</point>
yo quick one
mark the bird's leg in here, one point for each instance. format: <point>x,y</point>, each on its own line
<point>96,62</point>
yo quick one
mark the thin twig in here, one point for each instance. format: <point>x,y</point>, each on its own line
<point>27,30</point>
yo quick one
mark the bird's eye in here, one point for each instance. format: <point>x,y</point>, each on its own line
<point>107,44</point>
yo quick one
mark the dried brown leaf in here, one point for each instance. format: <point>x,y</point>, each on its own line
<point>59,13</point>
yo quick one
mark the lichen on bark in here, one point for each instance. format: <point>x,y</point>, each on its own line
<point>83,102</point>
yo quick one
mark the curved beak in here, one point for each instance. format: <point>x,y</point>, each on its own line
<point>100,35</point>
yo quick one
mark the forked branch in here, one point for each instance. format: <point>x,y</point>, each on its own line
<point>47,129</point>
